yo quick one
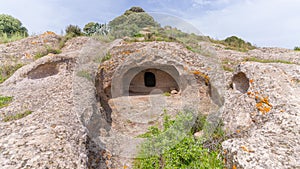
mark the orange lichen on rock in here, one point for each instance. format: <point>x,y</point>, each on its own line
<point>234,167</point>
<point>251,80</point>
<point>196,72</point>
<point>49,33</point>
<point>127,52</point>
<point>246,149</point>
<point>34,42</point>
<point>28,55</point>
<point>263,104</point>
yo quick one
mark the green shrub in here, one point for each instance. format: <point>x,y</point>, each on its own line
<point>17,116</point>
<point>235,43</point>
<point>73,31</point>
<point>136,9</point>
<point>53,51</point>
<point>163,150</point>
<point>7,70</point>
<point>64,39</point>
<point>296,48</point>
<point>11,26</point>
<point>4,101</point>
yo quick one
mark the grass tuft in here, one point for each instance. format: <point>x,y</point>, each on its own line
<point>17,116</point>
<point>4,38</point>
<point>4,101</point>
<point>167,94</point>
<point>106,57</point>
<point>85,74</point>
<point>253,59</point>
<point>44,53</point>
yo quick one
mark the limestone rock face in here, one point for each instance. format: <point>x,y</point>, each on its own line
<point>90,102</point>
<point>267,112</point>
<point>52,136</point>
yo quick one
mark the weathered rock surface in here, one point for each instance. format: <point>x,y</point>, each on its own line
<point>269,113</point>
<point>76,121</point>
<point>53,135</point>
<point>23,51</point>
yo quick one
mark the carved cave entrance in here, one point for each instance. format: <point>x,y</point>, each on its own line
<point>152,81</point>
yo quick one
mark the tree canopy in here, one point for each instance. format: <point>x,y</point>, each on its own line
<point>10,26</point>
<point>131,22</point>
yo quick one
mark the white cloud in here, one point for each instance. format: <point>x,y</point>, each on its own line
<point>265,23</point>
<point>39,16</point>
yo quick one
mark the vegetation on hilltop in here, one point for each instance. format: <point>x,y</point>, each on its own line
<point>296,48</point>
<point>235,43</point>
<point>11,29</point>
<point>131,22</point>
<point>135,23</point>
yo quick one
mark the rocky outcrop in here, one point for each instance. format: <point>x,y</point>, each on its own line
<point>266,114</point>
<point>24,51</point>
<point>52,136</point>
<point>83,116</point>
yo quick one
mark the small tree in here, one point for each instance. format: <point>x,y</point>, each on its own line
<point>73,30</point>
<point>88,28</point>
<point>134,10</point>
<point>296,48</point>
<point>10,26</point>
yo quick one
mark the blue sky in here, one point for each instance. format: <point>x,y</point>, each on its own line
<point>270,23</point>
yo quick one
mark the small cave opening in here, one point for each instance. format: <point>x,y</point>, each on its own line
<point>240,82</point>
<point>50,68</point>
<point>150,81</point>
<point>44,70</point>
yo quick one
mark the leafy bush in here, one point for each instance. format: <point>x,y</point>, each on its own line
<point>162,150</point>
<point>11,26</point>
<point>4,101</point>
<point>296,48</point>
<point>235,43</point>
<point>17,116</point>
<point>73,31</point>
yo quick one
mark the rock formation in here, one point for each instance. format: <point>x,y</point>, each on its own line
<point>88,103</point>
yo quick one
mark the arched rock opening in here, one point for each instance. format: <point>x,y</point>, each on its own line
<point>150,81</point>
